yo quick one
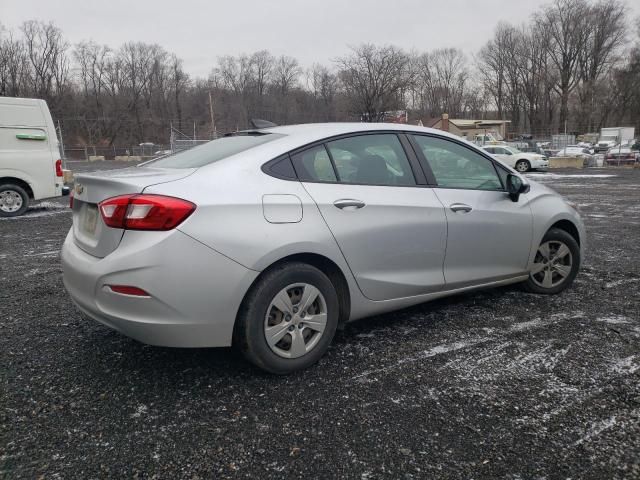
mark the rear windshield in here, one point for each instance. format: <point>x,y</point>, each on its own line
<point>213,151</point>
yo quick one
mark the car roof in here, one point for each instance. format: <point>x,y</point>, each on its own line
<point>309,132</point>
<point>292,137</point>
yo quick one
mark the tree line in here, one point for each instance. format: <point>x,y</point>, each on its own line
<point>575,65</point>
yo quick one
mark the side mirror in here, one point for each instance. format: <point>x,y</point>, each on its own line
<point>516,186</point>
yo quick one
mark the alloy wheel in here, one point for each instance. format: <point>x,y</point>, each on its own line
<point>522,166</point>
<point>295,320</point>
<point>552,264</point>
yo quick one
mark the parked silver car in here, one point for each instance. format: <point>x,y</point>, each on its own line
<point>268,239</point>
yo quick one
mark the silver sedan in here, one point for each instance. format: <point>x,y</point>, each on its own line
<point>268,239</point>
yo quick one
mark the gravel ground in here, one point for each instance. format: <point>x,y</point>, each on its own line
<point>494,384</point>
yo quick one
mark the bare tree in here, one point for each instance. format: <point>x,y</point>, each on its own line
<point>605,38</point>
<point>13,64</point>
<point>46,49</point>
<point>374,79</point>
<point>564,22</point>
<point>285,76</point>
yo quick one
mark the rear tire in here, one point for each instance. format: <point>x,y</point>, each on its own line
<point>523,166</point>
<point>555,265</point>
<point>289,304</point>
<point>14,200</point>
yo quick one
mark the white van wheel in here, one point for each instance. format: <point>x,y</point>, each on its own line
<point>13,200</point>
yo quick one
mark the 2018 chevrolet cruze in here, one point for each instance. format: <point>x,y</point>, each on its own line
<point>269,238</point>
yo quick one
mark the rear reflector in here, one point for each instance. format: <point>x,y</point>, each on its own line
<point>145,212</point>
<point>58,168</point>
<point>128,290</point>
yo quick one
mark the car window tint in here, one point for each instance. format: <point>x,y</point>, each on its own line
<point>490,150</point>
<point>371,160</point>
<point>213,151</point>
<point>314,165</point>
<point>456,166</point>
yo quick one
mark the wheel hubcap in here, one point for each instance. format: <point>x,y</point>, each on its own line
<point>10,201</point>
<point>552,264</point>
<point>522,167</point>
<point>295,320</point>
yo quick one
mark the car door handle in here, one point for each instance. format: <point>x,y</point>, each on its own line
<point>349,203</point>
<point>460,207</point>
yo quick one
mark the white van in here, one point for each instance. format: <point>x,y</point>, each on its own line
<point>30,162</point>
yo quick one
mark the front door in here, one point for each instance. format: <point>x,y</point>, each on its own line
<point>391,231</point>
<point>489,236</point>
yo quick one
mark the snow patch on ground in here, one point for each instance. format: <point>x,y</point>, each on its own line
<point>614,320</point>
<point>432,352</point>
<point>596,429</point>
<point>626,365</point>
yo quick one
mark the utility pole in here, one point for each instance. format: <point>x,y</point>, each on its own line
<point>213,123</point>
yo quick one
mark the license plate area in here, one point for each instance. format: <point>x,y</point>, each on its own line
<point>89,219</point>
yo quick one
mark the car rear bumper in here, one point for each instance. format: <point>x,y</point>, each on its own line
<point>195,292</point>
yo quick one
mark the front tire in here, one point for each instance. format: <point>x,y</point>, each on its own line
<point>288,318</point>
<point>14,200</point>
<point>555,265</point>
<point>523,166</point>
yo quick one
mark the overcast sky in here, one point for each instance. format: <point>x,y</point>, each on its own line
<point>311,30</point>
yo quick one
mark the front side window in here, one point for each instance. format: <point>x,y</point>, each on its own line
<point>456,166</point>
<point>377,159</point>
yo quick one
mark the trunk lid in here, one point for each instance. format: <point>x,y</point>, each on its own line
<point>89,231</point>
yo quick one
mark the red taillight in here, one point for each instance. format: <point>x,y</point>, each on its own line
<point>145,212</point>
<point>71,199</point>
<point>58,168</point>
<point>128,290</point>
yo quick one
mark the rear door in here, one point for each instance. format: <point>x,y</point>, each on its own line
<point>489,236</point>
<point>390,227</point>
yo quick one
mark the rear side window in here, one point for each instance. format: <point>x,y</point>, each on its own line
<point>314,165</point>
<point>371,160</point>
<point>456,166</point>
<point>213,151</point>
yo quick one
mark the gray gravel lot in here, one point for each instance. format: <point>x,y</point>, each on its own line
<point>494,384</point>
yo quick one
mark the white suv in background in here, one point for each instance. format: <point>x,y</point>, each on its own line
<point>521,161</point>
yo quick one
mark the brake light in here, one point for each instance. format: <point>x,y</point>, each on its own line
<point>71,199</point>
<point>58,168</point>
<point>145,212</point>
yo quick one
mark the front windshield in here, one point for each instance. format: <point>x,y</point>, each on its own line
<point>213,151</point>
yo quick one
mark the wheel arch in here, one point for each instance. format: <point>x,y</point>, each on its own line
<point>326,266</point>
<point>17,181</point>
<point>569,227</point>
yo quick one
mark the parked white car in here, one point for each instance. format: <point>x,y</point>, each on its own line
<point>576,151</point>
<point>521,161</point>
<point>30,161</point>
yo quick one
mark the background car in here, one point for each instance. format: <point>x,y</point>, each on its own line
<point>521,161</point>
<point>269,238</point>
<point>622,156</point>
<point>577,152</point>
